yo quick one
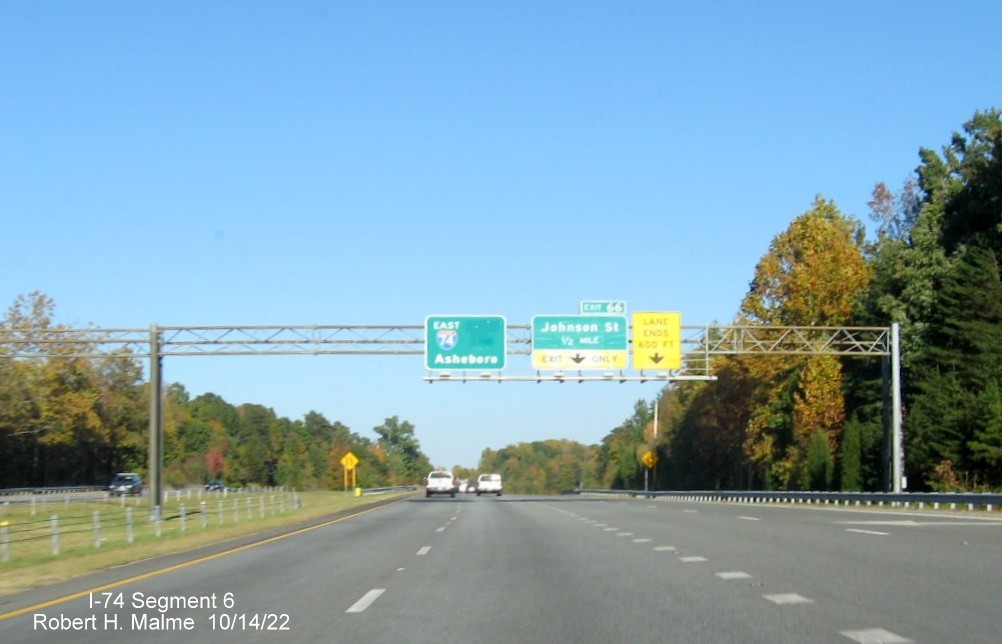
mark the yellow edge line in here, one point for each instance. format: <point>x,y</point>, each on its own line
<point>154,573</point>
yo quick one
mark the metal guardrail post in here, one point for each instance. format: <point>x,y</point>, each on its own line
<point>54,523</point>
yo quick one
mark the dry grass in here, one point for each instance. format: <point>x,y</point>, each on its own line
<point>32,562</point>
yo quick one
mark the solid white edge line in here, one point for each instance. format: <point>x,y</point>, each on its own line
<point>366,600</point>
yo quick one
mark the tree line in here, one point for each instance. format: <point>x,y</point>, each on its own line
<point>934,266</point>
<point>77,419</point>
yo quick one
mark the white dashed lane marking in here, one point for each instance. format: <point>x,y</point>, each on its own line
<point>788,598</point>
<point>366,600</point>
<point>863,636</point>
<point>876,636</point>
<point>424,550</point>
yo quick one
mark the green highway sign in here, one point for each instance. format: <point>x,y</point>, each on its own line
<point>465,342</point>
<point>603,307</point>
<point>579,342</point>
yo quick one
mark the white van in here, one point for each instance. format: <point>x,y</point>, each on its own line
<point>440,482</point>
<point>489,484</point>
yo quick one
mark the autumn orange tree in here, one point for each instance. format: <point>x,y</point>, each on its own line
<point>63,417</point>
<point>812,275</point>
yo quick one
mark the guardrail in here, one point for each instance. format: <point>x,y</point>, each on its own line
<point>21,491</point>
<point>920,500</point>
<point>26,532</point>
<point>391,488</point>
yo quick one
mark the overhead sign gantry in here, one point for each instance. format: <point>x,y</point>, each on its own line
<point>698,344</point>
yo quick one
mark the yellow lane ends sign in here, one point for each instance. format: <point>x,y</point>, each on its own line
<point>657,340</point>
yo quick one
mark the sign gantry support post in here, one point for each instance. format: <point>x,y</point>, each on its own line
<point>155,465</point>
<point>897,450</point>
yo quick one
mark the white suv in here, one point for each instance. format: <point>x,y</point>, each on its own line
<point>440,482</point>
<point>489,484</point>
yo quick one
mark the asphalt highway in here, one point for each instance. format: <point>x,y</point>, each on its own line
<point>488,570</point>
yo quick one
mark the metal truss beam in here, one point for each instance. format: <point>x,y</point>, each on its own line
<point>698,342</point>
<point>798,340</point>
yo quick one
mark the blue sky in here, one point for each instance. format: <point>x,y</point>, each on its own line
<point>244,163</point>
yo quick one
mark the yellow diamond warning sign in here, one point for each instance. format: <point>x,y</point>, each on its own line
<point>657,340</point>
<point>349,461</point>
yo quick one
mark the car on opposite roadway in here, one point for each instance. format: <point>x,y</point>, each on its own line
<point>215,485</point>
<point>440,482</point>
<point>489,484</point>
<point>126,483</point>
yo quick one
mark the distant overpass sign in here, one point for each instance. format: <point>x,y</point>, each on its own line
<point>465,342</point>
<point>579,342</point>
<point>657,340</point>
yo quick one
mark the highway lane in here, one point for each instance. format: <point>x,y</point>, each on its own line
<point>571,569</point>
<point>927,576</point>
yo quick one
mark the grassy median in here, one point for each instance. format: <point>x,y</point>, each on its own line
<point>99,534</point>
